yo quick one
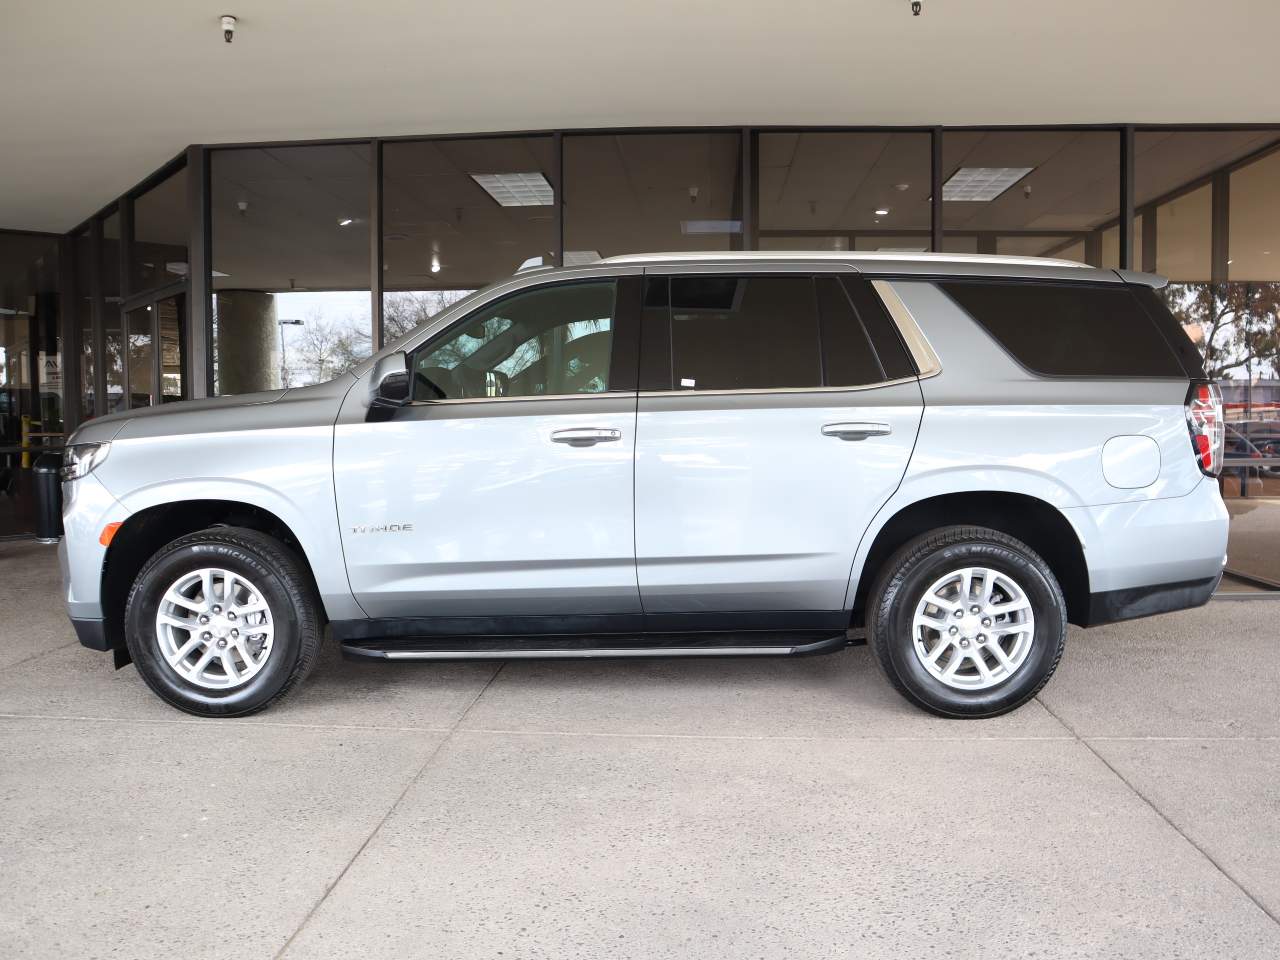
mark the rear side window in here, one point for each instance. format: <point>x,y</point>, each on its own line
<point>744,333</point>
<point>1069,330</point>
<point>1168,325</point>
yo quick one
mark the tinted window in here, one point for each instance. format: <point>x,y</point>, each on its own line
<point>847,357</point>
<point>655,335</point>
<point>744,333</point>
<point>548,341</point>
<point>881,329</point>
<point>1069,330</point>
<point>1173,331</point>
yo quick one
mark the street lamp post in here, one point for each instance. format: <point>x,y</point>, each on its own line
<point>284,363</point>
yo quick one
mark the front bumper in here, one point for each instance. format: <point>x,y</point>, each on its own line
<point>87,507</point>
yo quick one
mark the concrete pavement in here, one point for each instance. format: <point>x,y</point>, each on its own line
<point>786,808</point>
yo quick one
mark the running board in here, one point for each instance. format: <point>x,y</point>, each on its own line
<point>590,648</point>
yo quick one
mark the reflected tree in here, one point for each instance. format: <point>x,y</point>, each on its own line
<point>1235,325</point>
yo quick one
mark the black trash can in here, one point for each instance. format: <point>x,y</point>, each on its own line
<point>47,472</point>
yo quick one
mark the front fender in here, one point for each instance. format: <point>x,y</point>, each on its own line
<point>289,475</point>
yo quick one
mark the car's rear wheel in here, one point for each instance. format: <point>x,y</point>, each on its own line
<point>223,622</point>
<point>967,622</point>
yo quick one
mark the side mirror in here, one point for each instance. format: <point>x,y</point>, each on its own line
<point>389,385</point>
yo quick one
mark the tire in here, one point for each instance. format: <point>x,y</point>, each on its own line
<point>1026,619</point>
<point>279,612</point>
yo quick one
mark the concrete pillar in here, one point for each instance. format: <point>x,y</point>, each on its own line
<point>248,350</point>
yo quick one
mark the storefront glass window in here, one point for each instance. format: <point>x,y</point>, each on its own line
<point>290,264</point>
<point>1049,193</point>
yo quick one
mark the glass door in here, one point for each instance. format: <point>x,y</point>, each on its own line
<point>141,348</point>
<point>169,316</point>
<point>155,348</point>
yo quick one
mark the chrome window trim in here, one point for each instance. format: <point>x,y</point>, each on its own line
<point>615,394</point>
<point>747,391</point>
<point>610,394</point>
<point>918,345</point>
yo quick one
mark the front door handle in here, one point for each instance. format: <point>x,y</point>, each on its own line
<point>856,431</point>
<point>585,436</point>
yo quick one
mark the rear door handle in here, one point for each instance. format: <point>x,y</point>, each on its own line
<point>856,431</point>
<point>585,436</point>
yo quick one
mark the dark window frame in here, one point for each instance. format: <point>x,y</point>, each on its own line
<point>199,308</point>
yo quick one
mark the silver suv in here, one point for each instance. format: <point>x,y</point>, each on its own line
<point>676,455</point>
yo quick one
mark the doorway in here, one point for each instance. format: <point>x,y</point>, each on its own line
<point>155,347</point>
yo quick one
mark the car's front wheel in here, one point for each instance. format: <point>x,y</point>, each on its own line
<point>967,622</point>
<point>223,622</point>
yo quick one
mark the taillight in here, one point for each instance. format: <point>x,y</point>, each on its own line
<point>1204,420</point>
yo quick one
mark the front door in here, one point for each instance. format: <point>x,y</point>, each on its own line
<point>503,489</point>
<point>770,431</point>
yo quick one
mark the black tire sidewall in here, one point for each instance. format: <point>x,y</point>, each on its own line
<point>140,628</point>
<point>920,573</point>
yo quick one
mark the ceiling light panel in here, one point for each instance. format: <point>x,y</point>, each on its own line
<point>517,189</point>
<point>699,227</point>
<point>982,183</point>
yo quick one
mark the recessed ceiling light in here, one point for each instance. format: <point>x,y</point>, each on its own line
<point>577,258</point>
<point>435,264</point>
<point>900,187</point>
<point>696,227</point>
<point>982,183</point>
<point>882,211</point>
<point>345,222</point>
<point>517,189</point>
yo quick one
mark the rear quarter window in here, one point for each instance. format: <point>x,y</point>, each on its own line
<point>1069,330</point>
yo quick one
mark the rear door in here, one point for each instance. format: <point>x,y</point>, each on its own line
<point>773,422</point>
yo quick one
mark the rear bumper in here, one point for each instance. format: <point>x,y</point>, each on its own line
<point>1154,546</point>
<point>1127,604</point>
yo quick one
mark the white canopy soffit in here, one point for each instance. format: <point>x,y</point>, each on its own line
<point>96,95</point>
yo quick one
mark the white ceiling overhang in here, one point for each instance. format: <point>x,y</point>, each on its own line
<point>96,95</point>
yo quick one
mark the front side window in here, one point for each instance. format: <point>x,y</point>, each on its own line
<point>549,341</point>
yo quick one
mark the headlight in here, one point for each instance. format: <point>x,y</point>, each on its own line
<point>81,459</point>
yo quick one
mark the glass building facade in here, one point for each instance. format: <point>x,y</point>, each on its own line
<point>238,268</point>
